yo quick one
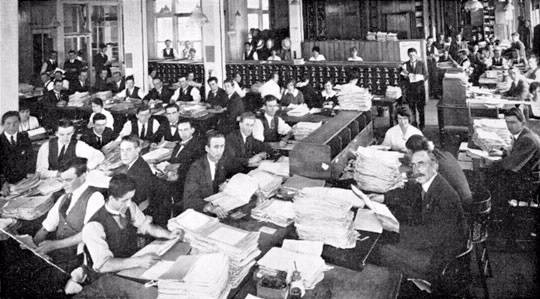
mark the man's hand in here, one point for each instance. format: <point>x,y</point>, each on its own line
<point>282,143</point>
<point>147,260</point>
<point>47,246</point>
<point>496,153</point>
<point>5,189</point>
<point>257,158</point>
<point>216,210</point>
<point>176,233</point>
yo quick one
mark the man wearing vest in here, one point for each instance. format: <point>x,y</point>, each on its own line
<point>499,62</point>
<point>99,135</point>
<point>66,220</point>
<point>235,106</point>
<point>170,129</point>
<point>186,93</point>
<point>158,93</point>
<point>270,127</point>
<point>415,73</point>
<point>51,98</point>
<point>168,52</point>
<point>217,97</point>
<point>144,126</point>
<point>110,236</point>
<point>64,147</point>
<point>131,91</point>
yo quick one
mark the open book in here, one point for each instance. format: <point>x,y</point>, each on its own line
<point>236,193</point>
<point>387,220</point>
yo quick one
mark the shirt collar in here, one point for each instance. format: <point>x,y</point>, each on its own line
<point>98,135</point>
<point>517,135</point>
<point>184,142</point>
<point>212,164</point>
<point>9,135</point>
<point>244,137</point>
<point>78,192</point>
<point>426,185</point>
<point>114,213</point>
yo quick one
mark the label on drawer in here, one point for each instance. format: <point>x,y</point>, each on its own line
<point>324,166</point>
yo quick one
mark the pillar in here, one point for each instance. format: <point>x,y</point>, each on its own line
<point>296,28</point>
<point>9,67</point>
<point>136,42</point>
<point>213,40</point>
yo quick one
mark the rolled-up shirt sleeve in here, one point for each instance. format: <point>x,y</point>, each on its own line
<point>139,220</point>
<point>258,130</point>
<point>283,127</point>
<point>93,236</point>
<point>51,221</point>
<point>196,94</point>
<point>94,156</point>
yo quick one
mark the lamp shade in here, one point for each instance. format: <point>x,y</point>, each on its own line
<point>198,17</point>
<point>473,5</point>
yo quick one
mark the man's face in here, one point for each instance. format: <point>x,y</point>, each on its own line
<point>183,83</point>
<point>65,134</point>
<point>99,126</point>
<point>168,44</point>
<point>172,115</point>
<point>403,121</point>
<point>246,126</point>
<point>71,181</point>
<point>497,53</point>
<point>412,56</point>
<point>271,108</point>
<point>143,116</point>
<point>72,55</point>
<point>429,41</point>
<point>513,124</point>
<point>103,74</point>
<point>96,108</point>
<point>157,84</point>
<point>238,78</point>
<point>129,152</point>
<point>515,38</point>
<point>247,47</point>
<point>58,76</point>
<point>58,86</point>
<point>229,88</point>
<point>54,56</point>
<point>275,77</point>
<point>11,125</point>
<point>191,77</point>
<point>213,85</point>
<point>185,131</point>
<point>216,148</point>
<point>24,114</point>
<point>83,76</point>
<point>117,77</point>
<point>423,168</point>
<point>130,84</point>
<point>121,204</point>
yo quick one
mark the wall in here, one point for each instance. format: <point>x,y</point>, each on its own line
<point>9,46</point>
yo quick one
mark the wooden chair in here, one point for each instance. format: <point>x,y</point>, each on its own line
<point>455,277</point>
<point>479,222</point>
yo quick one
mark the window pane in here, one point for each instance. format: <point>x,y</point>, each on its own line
<point>265,21</point>
<point>264,4</point>
<point>186,6</point>
<point>160,5</point>
<point>188,30</point>
<point>253,4</point>
<point>164,29</point>
<point>253,20</point>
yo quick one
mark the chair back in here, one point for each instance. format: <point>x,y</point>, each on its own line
<point>455,277</point>
<point>481,207</point>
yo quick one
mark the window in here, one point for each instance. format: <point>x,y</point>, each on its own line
<point>258,14</point>
<point>172,22</point>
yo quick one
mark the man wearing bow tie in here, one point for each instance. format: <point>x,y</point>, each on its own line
<point>170,129</point>
<point>100,134</point>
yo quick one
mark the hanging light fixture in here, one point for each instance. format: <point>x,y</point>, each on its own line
<point>473,5</point>
<point>54,23</point>
<point>295,2</point>
<point>237,13</point>
<point>509,7</point>
<point>165,10</point>
<point>198,17</point>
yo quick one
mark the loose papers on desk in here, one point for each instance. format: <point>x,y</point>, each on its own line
<point>365,220</point>
<point>196,277</point>
<point>329,220</point>
<point>491,134</point>
<point>32,202</point>
<point>237,192</point>
<point>279,167</point>
<point>276,211</point>
<point>377,171</point>
<point>302,129</point>
<point>79,99</point>
<point>207,235</point>
<point>298,110</point>
<point>296,183</point>
<point>268,183</point>
<point>157,155</point>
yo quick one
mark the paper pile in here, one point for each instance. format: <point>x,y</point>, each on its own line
<point>196,277</point>
<point>491,134</point>
<point>279,167</point>
<point>268,183</point>
<point>103,95</point>
<point>393,92</point>
<point>189,109</point>
<point>337,194</point>
<point>276,211</point>
<point>237,192</point>
<point>298,110</point>
<point>302,129</point>
<point>296,183</point>
<point>304,256</point>
<point>377,218</point>
<point>207,235</point>
<point>354,98</point>
<point>329,220</point>
<point>28,207</point>
<point>377,171</point>
<point>157,155</point>
<point>79,99</point>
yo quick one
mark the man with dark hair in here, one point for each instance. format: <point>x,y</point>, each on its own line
<point>56,95</point>
<point>99,135</point>
<point>217,97</point>
<point>102,82</point>
<point>242,148</point>
<point>110,237</point>
<point>16,151</point>
<point>117,83</point>
<point>235,107</point>
<point>101,62</point>
<point>205,175</point>
<point>64,147</point>
<point>80,83</point>
<point>170,129</point>
<point>519,89</point>
<point>72,66</point>
<point>415,73</point>
<point>186,92</point>
<point>51,63</point>
<point>28,122</point>
<point>249,52</point>
<point>131,91</point>
<point>159,92</point>
<point>144,126</point>
<point>270,127</point>
<point>97,107</point>
<point>168,52</point>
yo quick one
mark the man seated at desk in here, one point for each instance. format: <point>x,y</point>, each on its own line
<point>110,237</point>
<point>190,78</point>
<point>97,107</point>
<point>519,88</point>
<point>533,73</point>
<point>498,62</point>
<point>117,83</point>
<point>131,91</point>
<point>235,107</point>
<point>242,148</point>
<point>170,129</point>
<point>434,231</point>
<point>206,175</point>
<point>102,82</point>
<point>270,127</point>
<point>64,147</point>
<point>186,93</point>
<point>66,220</point>
<point>397,135</point>
<point>217,97</point>
<point>144,126</point>
<point>100,134</point>
<point>80,83</point>
<point>55,96</point>
<point>28,122</point>
<point>158,93</point>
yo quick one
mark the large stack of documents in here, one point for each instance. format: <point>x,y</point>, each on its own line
<point>103,95</point>
<point>325,219</point>
<point>296,183</point>
<point>295,255</point>
<point>276,211</point>
<point>237,192</point>
<point>376,217</point>
<point>207,235</point>
<point>268,183</point>
<point>491,134</point>
<point>377,171</point>
<point>337,194</point>
<point>298,110</point>
<point>279,167</point>
<point>302,129</point>
<point>79,99</point>
<point>354,98</point>
<point>196,277</point>
<point>189,109</point>
<point>157,155</point>
<point>30,198</point>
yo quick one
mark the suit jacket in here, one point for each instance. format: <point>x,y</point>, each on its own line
<point>199,184</point>
<point>115,88</point>
<point>164,96</point>
<point>235,107</point>
<point>525,153</point>
<point>75,86</point>
<point>219,99</point>
<point>167,134</point>
<point>72,69</point>
<point>101,85</point>
<point>99,62</point>
<point>141,173</point>
<point>449,168</point>
<point>50,100</point>
<point>239,152</point>
<point>16,160</point>
<point>519,90</point>
<point>92,140</point>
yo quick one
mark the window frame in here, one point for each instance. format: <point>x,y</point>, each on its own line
<point>260,12</point>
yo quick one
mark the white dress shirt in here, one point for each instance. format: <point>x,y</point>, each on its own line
<point>258,129</point>
<point>123,94</point>
<point>83,150</point>
<point>126,129</point>
<point>212,168</point>
<point>30,124</point>
<point>195,93</point>
<point>395,138</point>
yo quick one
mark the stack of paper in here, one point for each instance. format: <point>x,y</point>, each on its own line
<point>376,218</point>
<point>189,109</point>
<point>157,155</point>
<point>196,277</point>
<point>103,95</point>
<point>302,129</point>
<point>298,110</point>
<point>354,98</point>
<point>268,183</point>
<point>276,211</point>
<point>24,185</point>
<point>279,167</point>
<point>377,171</point>
<point>337,194</point>
<point>296,256</point>
<point>296,183</point>
<point>491,134</point>
<point>393,92</point>
<point>392,36</point>
<point>50,185</point>
<point>207,235</point>
<point>237,192</point>
<point>371,36</point>
<point>37,134</point>
<point>329,220</point>
<point>79,99</point>
<point>28,207</point>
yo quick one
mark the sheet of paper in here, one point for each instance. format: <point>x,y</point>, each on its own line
<point>267,230</point>
<point>303,246</point>
<point>158,269</point>
<point>416,78</point>
<point>158,247</point>
<point>195,220</point>
<point>367,220</point>
<point>35,132</point>
<point>227,235</point>
<point>27,240</point>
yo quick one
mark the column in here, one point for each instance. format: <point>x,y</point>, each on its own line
<point>213,40</point>
<point>135,41</point>
<point>296,27</point>
<point>9,66</point>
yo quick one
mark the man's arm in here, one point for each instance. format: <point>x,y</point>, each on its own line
<point>192,189</point>
<point>42,163</point>
<point>522,152</point>
<point>94,156</point>
<point>46,246</point>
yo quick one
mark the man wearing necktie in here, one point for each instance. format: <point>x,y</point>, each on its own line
<point>80,83</point>
<point>110,236</point>
<point>56,95</point>
<point>415,73</point>
<point>499,62</point>
<point>100,134</point>
<point>16,151</point>
<point>143,126</point>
